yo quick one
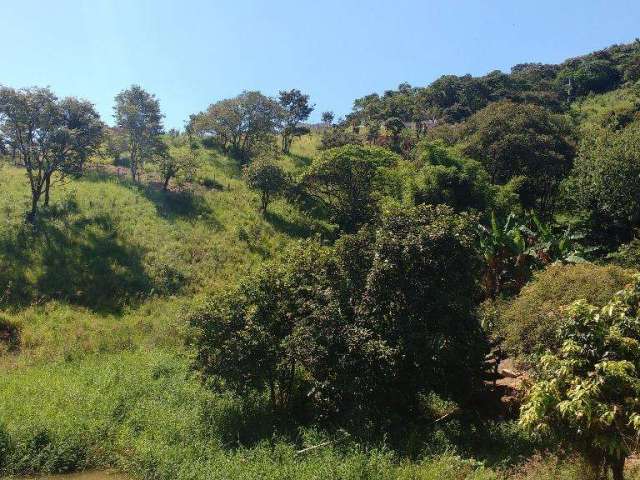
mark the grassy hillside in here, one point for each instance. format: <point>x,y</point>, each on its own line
<point>114,262</point>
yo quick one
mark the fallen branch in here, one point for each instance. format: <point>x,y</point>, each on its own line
<point>323,444</point>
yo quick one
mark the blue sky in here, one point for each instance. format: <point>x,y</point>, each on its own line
<point>191,53</point>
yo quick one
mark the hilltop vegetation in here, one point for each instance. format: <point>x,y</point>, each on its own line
<point>255,298</point>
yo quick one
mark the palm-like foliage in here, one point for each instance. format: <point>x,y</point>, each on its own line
<point>514,248</point>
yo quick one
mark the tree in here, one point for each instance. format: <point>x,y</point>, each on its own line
<point>512,140</point>
<point>347,181</point>
<point>394,125</point>
<point>296,110</point>
<point>593,75</point>
<point>361,330</point>
<point>137,114</point>
<point>336,136</point>
<point>373,131</point>
<point>604,182</point>
<point>587,392</point>
<point>446,178</point>
<point>50,135</point>
<point>267,178</point>
<point>239,124</point>
<point>255,337</point>
<point>177,158</point>
<point>419,295</point>
<point>327,118</point>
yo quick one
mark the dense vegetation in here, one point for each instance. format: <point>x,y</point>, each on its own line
<point>256,297</point>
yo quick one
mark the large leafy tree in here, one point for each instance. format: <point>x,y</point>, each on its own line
<point>347,181</point>
<point>241,124</point>
<point>604,181</point>
<point>587,392</point>
<point>49,135</point>
<point>137,114</point>
<point>360,330</point>
<point>439,176</point>
<point>297,109</point>
<point>513,140</point>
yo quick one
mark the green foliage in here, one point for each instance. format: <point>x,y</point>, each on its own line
<point>628,255</point>
<point>529,323</point>
<point>178,159</point>
<point>268,179</point>
<point>297,109</point>
<point>514,140</point>
<point>334,137</point>
<point>241,124</point>
<point>138,116</point>
<point>588,76</point>
<point>446,178</point>
<point>587,390</point>
<point>348,181</point>
<point>362,330</point>
<point>51,136</point>
<point>327,118</point>
<point>604,181</point>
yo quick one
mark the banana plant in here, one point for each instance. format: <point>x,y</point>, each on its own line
<point>505,252</point>
<point>513,249</point>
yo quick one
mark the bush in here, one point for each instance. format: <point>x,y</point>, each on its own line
<point>628,255</point>
<point>585,391</point>
<point>363,329</point>
<point>529,322</point>
<point>9,335</point>
<point>4,446</point>
<point>337,137</point>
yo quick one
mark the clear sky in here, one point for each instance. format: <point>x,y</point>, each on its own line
<point>191,53</point>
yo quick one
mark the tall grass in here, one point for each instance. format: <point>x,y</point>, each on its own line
<point>143,412</point>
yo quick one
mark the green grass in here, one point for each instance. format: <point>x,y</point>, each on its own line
<point>112,263</point>
<point>144,413</point>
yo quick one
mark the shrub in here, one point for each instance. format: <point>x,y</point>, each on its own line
<point>530,321</point>
<point>9,335</point>
<point>338,137</point>
<point>628,255</point>
<point>586,392</point>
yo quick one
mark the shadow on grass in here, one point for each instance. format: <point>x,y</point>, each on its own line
<point>286,226</point>
<point>300,161</point>
<point>296,229</point>
<point>170,204</point>
<point>81,260</point>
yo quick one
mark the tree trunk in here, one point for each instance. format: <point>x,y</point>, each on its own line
<point>31,216</point>
<point>617,468</point>
<point>47,185</point>
<point>166,183</point>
